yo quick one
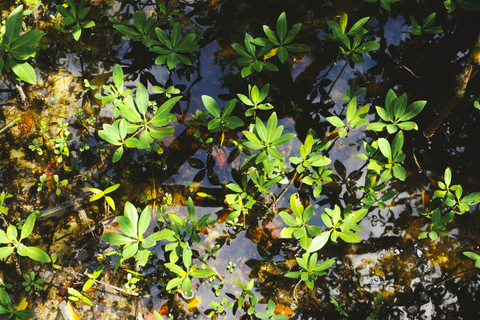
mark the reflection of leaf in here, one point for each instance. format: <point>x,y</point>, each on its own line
<point>340,169</point>
<point>196,163</point>
<point>199,176</point>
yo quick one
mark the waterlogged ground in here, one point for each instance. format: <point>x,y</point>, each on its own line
<point>418,279</point>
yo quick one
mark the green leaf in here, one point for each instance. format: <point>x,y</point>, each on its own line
<point>413,110</point>
<point>37,254</point>
<point>117,155</point>
<point>349,236</point>
<point>127,226</point>
<point>144,221</point>
<point>14,24</point>
<point>28,39</point>
<point>27,226</point>
<point>130,251</point>
<point>384,146</point>
<point>6,251</point>
<point>282,26</point>
<point>131,213</point>
<point>203,273</point>
<point>336,122</point>
<point>319,242</point>
<point>174,283</point>
<point>428,21</point>
<point>24,71</point>
<point>448,176</point>
<point>142,98</point>
<point>115,239</point>
<point>211,105</point>
<point>470,5</point>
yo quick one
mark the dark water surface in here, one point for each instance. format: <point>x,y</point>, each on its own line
<point>419,279</point>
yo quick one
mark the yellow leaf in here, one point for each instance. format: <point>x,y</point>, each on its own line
<point>272,53</point>
<point>193,305</point>
<point>22,305</point>
<point>65,5</point>
<point>71,314</point>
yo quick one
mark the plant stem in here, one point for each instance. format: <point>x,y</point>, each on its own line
<point>219,276</point>
<point>341,71</point>
<point>283,192</point>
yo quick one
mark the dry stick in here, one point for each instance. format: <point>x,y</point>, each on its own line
<point>341,71</point>
<point>457,91</point>
<point>283,192</point>
<point>219,276</point>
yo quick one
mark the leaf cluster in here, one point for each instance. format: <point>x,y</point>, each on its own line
<point>222,120</point>
<point>352,48</point>
<point>8,312</point>
<point>14,50</point>
<point>279,42</point>
<point>170,50</point>
<point>310,269</point>
<point>397,112</point>
<point>417,30</point>
<point>75,15</point>
<point>255,99</point>
<point>10,237</point>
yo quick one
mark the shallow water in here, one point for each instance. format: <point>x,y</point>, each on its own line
<point>418,279</point>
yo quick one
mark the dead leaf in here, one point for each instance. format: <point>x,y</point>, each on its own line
<point>72,315</point>
<point>193,305</point>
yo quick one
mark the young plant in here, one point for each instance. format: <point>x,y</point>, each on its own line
<point>310,269</point>
<point>221,120</point>
<point>308,159</point>
<point>75,295</point>
<point>247,290</point>
<point>30,283</point>
<point>417,30</point>
<point>135,121</point>
<point>170,50</point>
<point>439,223</point>
<point>281,39</point>
<point>393,154</point>
<point>3,196</point>
<point>92,277</point>
<point>353,49</point>
<point>270,314</point>
<point>134,242</point>
<point>59,184</point>
<point>7,311</point>
<point>250,59</point>
<point>75,15</point>
<point>377,302</point>
<point>10,237</point>
<point>142,25</point>
<point>183,278</point>
<point>397,112</point>
<point>42,184</point>
<point>219,307</point>
<point>338,306</point>
<point>14,50</point>
<point>265,139</point>
<point>36,146</point>
<point>255,99</point>
<point>353,92</point>
<point>231,266</point>
<point>355,119</point>
<point>99,194</point>
<point>298,227</point>
<point>338,227</point>
<point>473,256</point>
<point>168,92</point>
